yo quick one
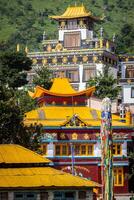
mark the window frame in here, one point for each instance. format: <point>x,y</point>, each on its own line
<point>76,145</point>
<point>117,171</point>
<point>115,148</point>
<point>46,150</point>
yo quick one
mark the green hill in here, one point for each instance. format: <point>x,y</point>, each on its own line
<point>25,21</point>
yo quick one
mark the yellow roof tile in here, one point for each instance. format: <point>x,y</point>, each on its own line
<point>41,177</point>
<point>75,12</point>
<point>12,153</point>
<point>60,87</point>
<point>57,116</point>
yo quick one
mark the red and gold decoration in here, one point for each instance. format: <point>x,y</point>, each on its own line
<point>74,136</point>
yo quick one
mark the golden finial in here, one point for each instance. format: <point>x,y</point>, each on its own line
<point>26,49</point>
<point>18,48</point>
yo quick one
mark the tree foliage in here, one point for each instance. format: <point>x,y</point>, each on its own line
<point>106,85</point>
<point>13,67</point>
<point>43,77</point>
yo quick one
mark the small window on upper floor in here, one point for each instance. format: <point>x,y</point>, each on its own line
<point>117,149</point>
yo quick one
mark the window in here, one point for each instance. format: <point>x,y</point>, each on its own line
<point>130,71</point>
<point>3,195</point>
<point>44,149</point>
<point>117,149</point>
<point>82,195</point>
<point>132,92</point>
<point>57,150</point>
<point>73,75</point>
<point>88,73</point>
<point>44,196</point>
<point>64,150</point>
<point>118,176</point>
<point>72,39</point>
<point>25,196</point>
<point>79,149</point>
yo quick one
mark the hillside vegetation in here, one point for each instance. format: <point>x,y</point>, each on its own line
<point>24,22</point>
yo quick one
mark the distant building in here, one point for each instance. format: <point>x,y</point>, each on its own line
<point>25,175</point>
<point>78,53</point>
<point>127,82</point>
<point>71,134</point>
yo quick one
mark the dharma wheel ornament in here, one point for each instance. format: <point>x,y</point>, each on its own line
<point>64,60</point>
<point>85,58</point>
<point>44,61</point>
<point>54,60</point>
<point>95,58</point>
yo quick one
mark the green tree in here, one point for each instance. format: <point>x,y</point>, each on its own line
<point>106,85</point>
<point>25,102</point>
<point>12,128</point>
<point>13,67</point>
<point>43,77</point>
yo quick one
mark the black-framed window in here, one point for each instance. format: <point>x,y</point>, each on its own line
<point>132,92</point>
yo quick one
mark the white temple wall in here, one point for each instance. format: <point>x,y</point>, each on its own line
<point>84,33</point>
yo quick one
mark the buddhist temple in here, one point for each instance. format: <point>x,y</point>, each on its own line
<point>25,175</point>
<point>71,134</point>
<point>78,53</point>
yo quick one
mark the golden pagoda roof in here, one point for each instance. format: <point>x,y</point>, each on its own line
<point>60,87</point>
<point>12,153</point>
<point>41,177</point>
<point>75,12</point>
<point>60,115</point>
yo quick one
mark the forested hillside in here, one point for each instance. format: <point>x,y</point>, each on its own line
<point>24,22</point>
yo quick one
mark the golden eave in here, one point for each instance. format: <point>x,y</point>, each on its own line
<point>73,12</point>
<point>41,177</point>
<point>61,87</point>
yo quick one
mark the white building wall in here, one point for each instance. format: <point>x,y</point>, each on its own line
<point>127,94</point>
<point>50,149</point>
<point>97,149</point>
<point>84,33</point>
<point>124,149</point>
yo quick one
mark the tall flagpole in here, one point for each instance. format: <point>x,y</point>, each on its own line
<point>106,150</point>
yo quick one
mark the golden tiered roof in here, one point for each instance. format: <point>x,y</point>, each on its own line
<point>12,153</point>
<point>73,12</point>
<point>59,116</point>
<point>61,87</point>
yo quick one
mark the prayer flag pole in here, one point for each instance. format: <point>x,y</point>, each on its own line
<point>106,150</point>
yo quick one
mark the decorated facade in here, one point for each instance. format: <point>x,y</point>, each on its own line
<point>78,53</point>
<point>71,134</point>
<point>127,82</point>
